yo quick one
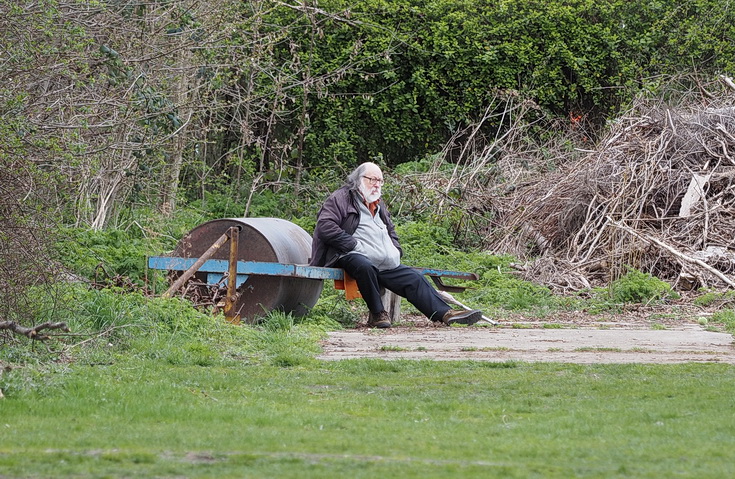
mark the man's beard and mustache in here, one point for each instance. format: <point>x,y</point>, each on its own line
<point>367,193</point>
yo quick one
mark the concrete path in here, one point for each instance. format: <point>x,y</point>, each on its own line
<point>687,343</point>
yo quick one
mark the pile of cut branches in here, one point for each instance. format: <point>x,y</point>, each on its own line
<point>657,194</point>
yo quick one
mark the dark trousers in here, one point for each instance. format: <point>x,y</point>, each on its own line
<point>403,281</point>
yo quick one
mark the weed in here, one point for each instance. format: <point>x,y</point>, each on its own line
<point>715,298</point>
<point>601,303</point>
<point>424,243</point>
<point>484,324</point>
<point>726,317</point>
<point>282,342</point>
<point>393,348</point>
<point>510,364</point>
<point>107,256</point>
<point>277,321</point>
<point>638,287</point>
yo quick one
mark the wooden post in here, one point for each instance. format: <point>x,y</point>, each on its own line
<point>195,267</point>
<point>392,304</point>
<point>230,314</point>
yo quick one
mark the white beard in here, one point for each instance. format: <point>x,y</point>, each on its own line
<point>370,197</point>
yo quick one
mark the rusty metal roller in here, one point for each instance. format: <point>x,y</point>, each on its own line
<point>260,239</point>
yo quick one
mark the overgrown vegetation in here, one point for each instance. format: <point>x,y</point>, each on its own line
<point>112,309</point>
<point>124,125</point>
<point>255,97</point>
<point>261,107</point>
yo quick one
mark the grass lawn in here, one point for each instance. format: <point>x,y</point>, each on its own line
<point>370,418</point>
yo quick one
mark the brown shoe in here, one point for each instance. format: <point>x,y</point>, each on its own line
<point>462,317</point>
<point>380,320</point>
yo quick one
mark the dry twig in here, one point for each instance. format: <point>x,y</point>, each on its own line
<point>638,176</point>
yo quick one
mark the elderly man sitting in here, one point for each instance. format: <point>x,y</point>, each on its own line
<point>354,231</point>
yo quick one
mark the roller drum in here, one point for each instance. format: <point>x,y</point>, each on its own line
<point>267,240</point>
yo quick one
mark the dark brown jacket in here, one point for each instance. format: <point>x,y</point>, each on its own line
<point>336,221</point>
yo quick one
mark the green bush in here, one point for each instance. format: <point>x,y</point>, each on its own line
<point>639,287</point>
<point>712,298</point>
<point>501,290</point>
<point>423,243</point>
<point>105,254</point>
<point>428,69</point>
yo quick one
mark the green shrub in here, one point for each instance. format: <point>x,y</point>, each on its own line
<point>502,290</point>
<point>639,287</point>
<point>105,254</point>
<point>423,243</point>
<point>711,298</point>
<point>429,69</point>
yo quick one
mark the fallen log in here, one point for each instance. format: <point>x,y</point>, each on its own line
<point>34,332</point>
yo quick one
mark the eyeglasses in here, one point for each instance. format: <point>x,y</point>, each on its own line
<point>374,181</point>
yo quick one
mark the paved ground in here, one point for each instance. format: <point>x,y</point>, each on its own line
<point>638,338</point>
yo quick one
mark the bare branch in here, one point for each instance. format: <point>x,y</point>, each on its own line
<point>674,251</point>
<point>34,332</point>
<point>639,177</point>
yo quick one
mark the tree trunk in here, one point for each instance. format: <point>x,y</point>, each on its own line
<point>183,100</point>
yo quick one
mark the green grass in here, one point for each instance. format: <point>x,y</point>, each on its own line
<point>149,387</point>
<point>371,418</point>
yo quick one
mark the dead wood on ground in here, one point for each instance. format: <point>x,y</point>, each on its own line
<point>656,194</point>
<point>35,332</point>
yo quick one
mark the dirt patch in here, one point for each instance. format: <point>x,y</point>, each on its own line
<point>645,336</point>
